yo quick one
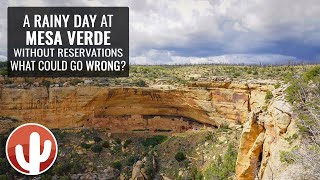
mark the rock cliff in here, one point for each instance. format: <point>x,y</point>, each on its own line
<point>218,103</point>
<point>131,108</point>
<point>265,134</point>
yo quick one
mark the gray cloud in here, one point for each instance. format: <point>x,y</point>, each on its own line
<point>3,58</point>
<point>162,57</point>
<point>214,28</point>
<point>3,25</point>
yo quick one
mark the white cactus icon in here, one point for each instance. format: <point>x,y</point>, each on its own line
<point>35,158</point>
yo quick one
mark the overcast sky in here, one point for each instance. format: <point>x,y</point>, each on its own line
<point>199,31</point>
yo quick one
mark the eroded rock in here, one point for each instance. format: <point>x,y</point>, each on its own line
<point>132,108</point>
<point>250,148</point>
<point>263,139</point>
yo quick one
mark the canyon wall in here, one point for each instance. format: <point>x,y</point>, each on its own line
<point>266,134</point>
<point>131,108</point>
<point>266,126</point>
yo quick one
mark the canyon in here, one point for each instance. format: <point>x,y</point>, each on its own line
<point>232,104</point>
<point>212,103</point>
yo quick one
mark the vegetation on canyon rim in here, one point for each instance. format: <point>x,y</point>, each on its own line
<point>179,75</point>
<point>304,94</point>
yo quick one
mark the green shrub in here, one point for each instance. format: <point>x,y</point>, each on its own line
<point>117,165</point>
<point>290,139</point>
<point>106,144</point>
<point>60,135</point>
<point>211,137</point>
<point>312,73</point>
<point>3,72</point>
<point>150,171</point>
<point>141,83</point>
<point>268,96</point>
<point>196,174</point>
<point>223,168</point>
<point>97,148</point>
<point>29,81</point>
<point>75,82</point>
<point>277,86</point>
<point>292,92</point>
<point>85,145</point>
<point>153,141</point>
<point>180,156</point>
<point>126,143</point>
<point>237,74</point>
<point>118,141</point>
<point>286,157</point>
<point>132,160</point>
<point>255,73</point>
<point>46,83</point>
<point>62,168</point>
<point>297,82</point>
<point>97,139</point>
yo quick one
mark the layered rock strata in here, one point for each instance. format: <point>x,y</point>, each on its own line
<point>132,108</point>
<point>265,127</point>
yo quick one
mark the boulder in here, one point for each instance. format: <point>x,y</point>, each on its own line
<point>137,173</point>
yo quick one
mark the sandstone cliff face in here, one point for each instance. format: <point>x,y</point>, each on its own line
<point>250,148</point>
<point>263,138</point>
<point>131,108</point>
